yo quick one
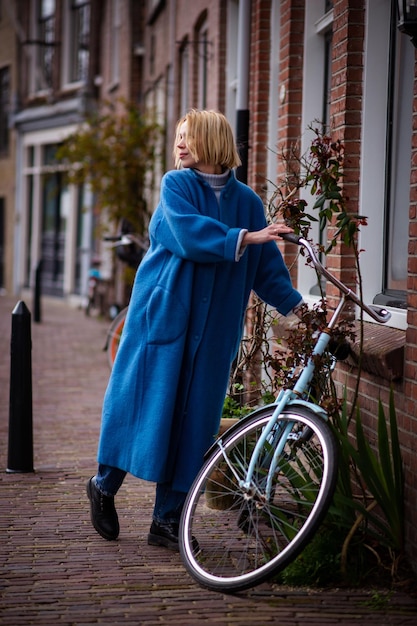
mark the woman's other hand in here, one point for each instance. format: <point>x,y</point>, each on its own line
<point>270,233</point>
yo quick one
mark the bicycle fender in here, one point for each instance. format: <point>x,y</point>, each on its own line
<point>315,408</point>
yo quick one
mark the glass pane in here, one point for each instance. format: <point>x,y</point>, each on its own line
<point>399,174</point>
<point>30,156</point>
<point>29,215</point>
<point>184,78</point>
<point>47,8</point>
<point>46,34</point>
<point>4,109</point>
<point>2,239</point>
<point>203,52</point>
<point>320,288</point>
<point>49,152</point>
<point>80,18</point>
<point>53,235</point>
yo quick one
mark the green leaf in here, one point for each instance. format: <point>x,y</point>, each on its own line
<point>320,201</point>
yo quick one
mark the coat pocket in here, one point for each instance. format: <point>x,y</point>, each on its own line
<point>166,317</point>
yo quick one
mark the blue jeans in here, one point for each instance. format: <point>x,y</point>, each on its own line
<point>109,479</point>
<point>168,503</point>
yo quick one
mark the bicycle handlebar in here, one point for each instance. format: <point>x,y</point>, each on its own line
<point>127,238</point>
<point>379,314</point>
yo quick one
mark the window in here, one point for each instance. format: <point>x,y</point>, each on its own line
<point>386,160</point>
<point>75,41</point>
<point>327,41</point>
<point>53,224</point>
<point>185,78</point>
<point>397,168</point>
<point>45,202</point>
<point>316,102</point>
<point>115,41</point>
<point>4,110</point>
<point>152,54</point>
<point>2,240</point>
<point>45,44</point>
<point>231,59</point>
<point>80,37</point>
<point>29,224</point>
<point>385,146</point>
<point>57,219</point>
<point>327,63</point>
<point>202,54</point>
<point>273,96</point>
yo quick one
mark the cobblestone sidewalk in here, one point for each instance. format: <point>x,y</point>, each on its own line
<point>55,570</point>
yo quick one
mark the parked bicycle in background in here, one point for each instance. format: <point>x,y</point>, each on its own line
<point>96,290</point>
<point>130,248</point>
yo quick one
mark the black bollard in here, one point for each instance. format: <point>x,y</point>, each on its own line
<point>20,457</point>
<point>37,295</point>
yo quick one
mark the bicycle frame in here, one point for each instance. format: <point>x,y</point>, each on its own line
<point>287,397</point>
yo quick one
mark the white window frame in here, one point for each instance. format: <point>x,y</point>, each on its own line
<point>68,47</point>
<point>115,40</point>
<point>37,80</point>
<point>37,140</point>
<point>373,141</point>
<point>373,152</point>
<point>317,22</point>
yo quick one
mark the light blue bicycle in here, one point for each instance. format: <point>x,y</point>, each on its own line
<point>267,483</point>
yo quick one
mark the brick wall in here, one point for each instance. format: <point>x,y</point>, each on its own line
<point>345,112</point>
<point>346,120</point>
<point>291,71</point>
<point>290,85</point>
<point>408,419</point>
<point>259,95</point>
<point>346,125</point>
<point>346,103</point>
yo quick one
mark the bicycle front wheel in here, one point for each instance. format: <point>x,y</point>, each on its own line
<point>234,535</point>
<point>113,336</point>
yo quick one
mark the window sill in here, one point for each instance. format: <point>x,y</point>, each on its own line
<point>383,351</point>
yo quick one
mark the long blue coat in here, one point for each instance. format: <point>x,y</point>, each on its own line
<point>165,395</point>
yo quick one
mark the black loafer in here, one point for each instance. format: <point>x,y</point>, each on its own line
<point>103,513</point>
<point>165,535</point>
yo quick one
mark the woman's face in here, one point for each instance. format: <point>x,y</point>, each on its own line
<point>185,157</point>
<point>182,150</point>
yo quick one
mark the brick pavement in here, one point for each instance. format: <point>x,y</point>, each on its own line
<point>55,570</point>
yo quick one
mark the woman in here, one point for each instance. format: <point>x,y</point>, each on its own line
<point>210,246</point>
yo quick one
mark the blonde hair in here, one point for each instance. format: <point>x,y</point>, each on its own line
<point>209,139</point>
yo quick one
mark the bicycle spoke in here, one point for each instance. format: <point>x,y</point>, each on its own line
<point>244,534</point>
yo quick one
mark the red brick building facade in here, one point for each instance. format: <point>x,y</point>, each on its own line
<point>308,61</point>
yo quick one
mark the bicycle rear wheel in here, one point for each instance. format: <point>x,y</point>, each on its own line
<point>232,536</point>
<point>113,336</point>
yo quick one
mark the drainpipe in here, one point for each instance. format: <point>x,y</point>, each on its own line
<point>242,96</point>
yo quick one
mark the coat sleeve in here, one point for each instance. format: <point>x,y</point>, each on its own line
<point>181,228</point>
<point>272,281</point>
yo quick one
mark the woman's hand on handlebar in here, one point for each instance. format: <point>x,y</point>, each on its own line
<point>270,233</point>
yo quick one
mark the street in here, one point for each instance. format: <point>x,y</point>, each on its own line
<point>56,570</point>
